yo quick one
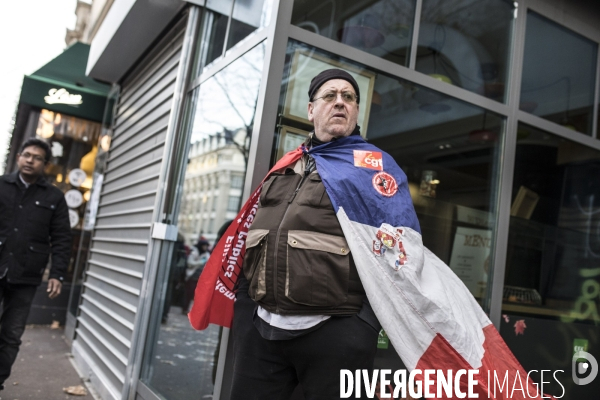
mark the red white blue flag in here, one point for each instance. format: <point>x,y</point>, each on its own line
<point>429,315</point>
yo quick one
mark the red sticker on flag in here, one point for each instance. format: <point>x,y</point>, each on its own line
<point>385,184</point>
<point>368,159</point>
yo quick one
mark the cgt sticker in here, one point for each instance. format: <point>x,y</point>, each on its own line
<point>368,159</point>
<point>385,184</point>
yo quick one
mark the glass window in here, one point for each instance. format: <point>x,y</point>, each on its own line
<point>552,283</point>
<point>182,362</point>
<point>467,43</point>
<point>215,29</point>
<point>233,203</point>
<point>448,149</point>
<point>559,74</point>
<point>248,16</point>
<point>380,27</point>
<point>237,182</point>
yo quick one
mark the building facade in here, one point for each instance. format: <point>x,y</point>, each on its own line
<point>490,107</point>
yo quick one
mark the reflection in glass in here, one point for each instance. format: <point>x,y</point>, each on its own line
<point>448,149</point>
<point>449,152</point>
<point>564,92</point>
<point>215,28</point>
<point>380,27</point>
<point>183,361</point>
<point>467,43</point>
<point>248,16</point>
<point>552,282</point>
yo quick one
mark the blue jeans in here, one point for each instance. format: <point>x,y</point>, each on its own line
<point>16,302</point>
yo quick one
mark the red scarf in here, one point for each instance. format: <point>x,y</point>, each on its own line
<point>215,295</point>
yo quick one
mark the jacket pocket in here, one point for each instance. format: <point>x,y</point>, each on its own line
<point>255,262</point>
<point>313,193</point>
<point>37,259</point>
<point>276,189</point>
<point>42,212</point>
<point>318,269</point>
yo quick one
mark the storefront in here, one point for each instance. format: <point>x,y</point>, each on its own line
<point>490,107</point>
<point>63,106</point>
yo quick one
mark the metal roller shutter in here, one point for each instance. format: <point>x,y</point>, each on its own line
<point>119,249</point>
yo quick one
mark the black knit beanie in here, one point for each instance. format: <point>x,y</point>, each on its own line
<point>330,74</point>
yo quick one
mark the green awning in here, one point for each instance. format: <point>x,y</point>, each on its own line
<point>62,86</point>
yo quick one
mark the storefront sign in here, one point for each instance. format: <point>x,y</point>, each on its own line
<point>57,149</point>
<point>470,258</point>
<point>92,208</point>
<point>473,216</point>
<point>73,218</point>
<point>40,92</point>
<point>580,345</point>
<point>77,177</point>
<point>383,341</point>
<point>62,96</point>
<point>74,198</point>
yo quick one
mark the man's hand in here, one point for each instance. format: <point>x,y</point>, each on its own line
<point>54,286</point>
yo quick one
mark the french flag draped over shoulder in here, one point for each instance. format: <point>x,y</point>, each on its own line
<point>429,315</point>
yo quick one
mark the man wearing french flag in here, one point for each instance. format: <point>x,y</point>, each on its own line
<point>323,252</point>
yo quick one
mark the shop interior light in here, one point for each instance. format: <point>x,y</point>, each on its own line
<point>365,35</point>
<point>88,161</point>
<point>87,183</point>
<point>46,123</point>
<point>482,135</point>
<point>105,143</point>
<point>441,78</point>
<point>431,101</point>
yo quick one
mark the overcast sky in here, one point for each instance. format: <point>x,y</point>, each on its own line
<point>33,33</point>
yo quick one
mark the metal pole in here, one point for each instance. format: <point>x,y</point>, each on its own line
<point>415,36</point>
<point>507,166</point>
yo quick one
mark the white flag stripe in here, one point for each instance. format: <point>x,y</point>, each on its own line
<point>420,299</point>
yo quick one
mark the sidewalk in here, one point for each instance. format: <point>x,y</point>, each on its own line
<point>43,368</point>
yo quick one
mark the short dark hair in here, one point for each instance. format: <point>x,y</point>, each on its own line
<point>37,143</point>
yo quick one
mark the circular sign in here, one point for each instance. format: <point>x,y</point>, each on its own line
<point>385,184</point>
<point>77,176</point>
<point>74,198</point>
<point>73,218</point>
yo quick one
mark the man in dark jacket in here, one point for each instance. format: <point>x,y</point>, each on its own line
<point>301,313</point>
<point>34,223</point>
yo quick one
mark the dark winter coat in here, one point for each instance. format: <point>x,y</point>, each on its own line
<point>34,223</point>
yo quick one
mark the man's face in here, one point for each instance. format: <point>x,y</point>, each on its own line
<point>336,118</point>
<point>31,162</point>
